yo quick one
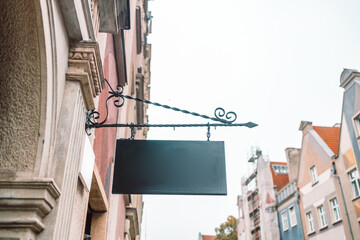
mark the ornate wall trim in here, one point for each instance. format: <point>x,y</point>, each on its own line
<point>85,66</point>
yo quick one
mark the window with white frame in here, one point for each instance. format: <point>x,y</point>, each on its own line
<point>280,169</point>
<point>335,209</point>
<point>284,220</point>
<point>355,182</point>
<point>292,212</point>
<point>357,123</point>
<point>310,221</point>
<point>314,175</point>
<point>322,218</point>
<point>283,169</point>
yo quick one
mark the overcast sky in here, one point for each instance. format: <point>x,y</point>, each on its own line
<point>274,63</point>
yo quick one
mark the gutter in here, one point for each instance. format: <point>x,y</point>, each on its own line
<point>333,172</point>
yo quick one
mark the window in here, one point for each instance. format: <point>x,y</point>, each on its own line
<point>321,212</point>
<point>284,220</point>
<point>335,209</point>
<point>310,222</point>
<point>314,176</point>
<point>355,183</point>
<point>293,221</point>
<point>357,123</point>
<point>280,169</point>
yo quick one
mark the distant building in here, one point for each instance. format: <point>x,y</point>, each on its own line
<point>318,193</point>
<point>287,200</point>
<point>241,227</point>
<point>348,160</point>
<point>258,203</point>
<point>206,237</point>
<point>322,206</point>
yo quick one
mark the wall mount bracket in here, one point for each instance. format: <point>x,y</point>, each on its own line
<point>222,118</point>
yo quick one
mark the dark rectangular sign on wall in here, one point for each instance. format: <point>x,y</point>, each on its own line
<point>169,167</point>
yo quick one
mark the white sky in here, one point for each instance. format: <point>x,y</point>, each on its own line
<point>272,62</point>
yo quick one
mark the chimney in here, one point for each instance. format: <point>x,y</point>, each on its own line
<point>305,126</point>
<point>293,162</point>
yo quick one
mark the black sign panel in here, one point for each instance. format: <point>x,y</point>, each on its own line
<point>169,167</point>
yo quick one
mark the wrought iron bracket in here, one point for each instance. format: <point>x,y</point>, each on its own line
<point>223,119</point>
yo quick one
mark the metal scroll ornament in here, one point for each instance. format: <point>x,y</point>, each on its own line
<point>222,117</point>
<point>93,115</point>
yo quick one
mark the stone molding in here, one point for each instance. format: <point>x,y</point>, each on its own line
<point>85,66</point>
<point>24,203</point>
<point>132,216</point>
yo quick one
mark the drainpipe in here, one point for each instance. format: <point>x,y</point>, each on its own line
<point>333,172</point>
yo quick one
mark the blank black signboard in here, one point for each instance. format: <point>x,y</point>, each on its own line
<point>169,167</point>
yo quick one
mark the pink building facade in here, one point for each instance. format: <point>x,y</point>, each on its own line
<point>322,206</point>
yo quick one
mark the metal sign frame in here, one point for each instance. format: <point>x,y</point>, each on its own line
<point>223,119</point>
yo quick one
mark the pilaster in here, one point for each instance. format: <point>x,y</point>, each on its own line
<point>84,81</point>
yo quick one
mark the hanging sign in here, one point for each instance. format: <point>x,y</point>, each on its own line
<point>169,167</point>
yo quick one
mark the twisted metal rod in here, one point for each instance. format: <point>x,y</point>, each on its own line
<point>248,124</point>
<point>219,112</point>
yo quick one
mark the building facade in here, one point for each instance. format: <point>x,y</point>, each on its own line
<point>348,159</point>
<point>241,226</point>
<point>322,207</point>
<point>258,200</point>
<point>290,225</point>
<point>287,199</point>
<point>55,180</point>
<point>321,199</point>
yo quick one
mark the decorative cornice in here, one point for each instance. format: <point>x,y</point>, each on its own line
<point>85,66</point>
<point>24,203</point>
<point>89,51</point>
<point>44,183</point>
<point>347,76</point>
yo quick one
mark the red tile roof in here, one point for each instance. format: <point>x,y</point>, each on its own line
<point>279,180</point>
<point>208,237</point>
<point>330,135</point>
